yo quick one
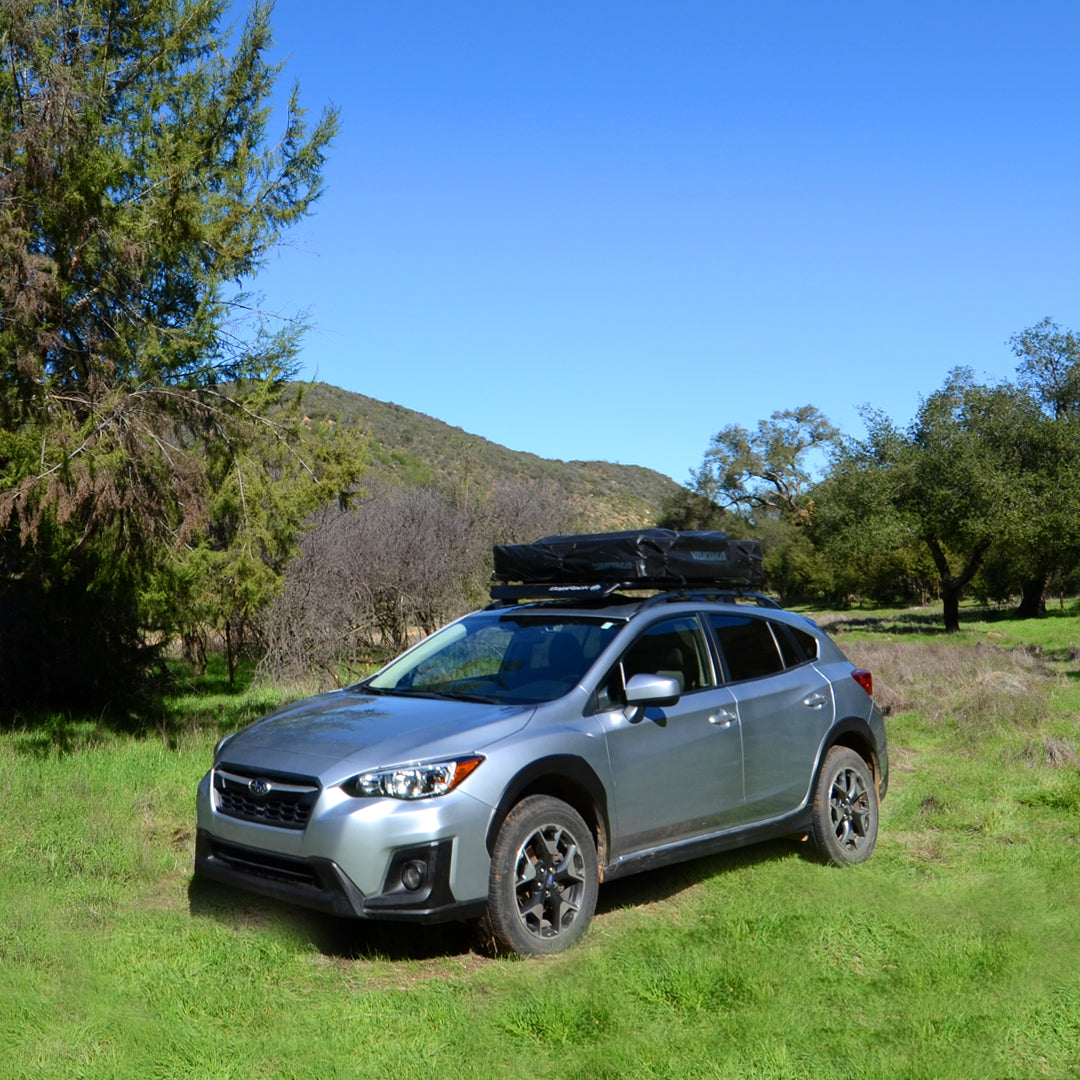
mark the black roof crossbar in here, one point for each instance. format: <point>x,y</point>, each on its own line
<point>666,592</point>
<point>547,590</point>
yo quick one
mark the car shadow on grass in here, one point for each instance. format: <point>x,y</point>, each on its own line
<point>337,938</point>
<point>656,886</point>
<point>357,939</point>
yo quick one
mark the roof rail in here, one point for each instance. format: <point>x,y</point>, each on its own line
<point>721,596</point>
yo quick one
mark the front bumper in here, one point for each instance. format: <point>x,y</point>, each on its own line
<point>375,858</point>
<point>320,884</point>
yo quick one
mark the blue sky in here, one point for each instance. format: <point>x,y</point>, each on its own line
<point>605,230</point>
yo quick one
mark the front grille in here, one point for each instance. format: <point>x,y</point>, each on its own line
<point>276,799</point>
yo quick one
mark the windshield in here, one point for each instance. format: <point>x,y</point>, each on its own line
<point>501,657</point>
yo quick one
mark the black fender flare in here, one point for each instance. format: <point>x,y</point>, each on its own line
<point>855,733</point>
<point>564,776</point>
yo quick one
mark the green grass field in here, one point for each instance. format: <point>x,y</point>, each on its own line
<point>955,952</point>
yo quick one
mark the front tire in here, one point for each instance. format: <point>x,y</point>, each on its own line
<point>544,878</point>
<point>845,808</point>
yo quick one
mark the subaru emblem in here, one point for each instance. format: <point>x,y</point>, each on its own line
<point>259,787</point>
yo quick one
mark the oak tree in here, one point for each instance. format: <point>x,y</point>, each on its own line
<point>955,482</point>
<point>767,469</point>
<point>1047,546</point>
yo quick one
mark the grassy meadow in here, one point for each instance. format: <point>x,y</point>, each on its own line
<point>954,952</point>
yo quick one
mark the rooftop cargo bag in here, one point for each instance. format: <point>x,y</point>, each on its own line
<point>646,557</point>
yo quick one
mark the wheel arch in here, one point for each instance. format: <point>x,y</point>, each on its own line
<point>565,777</point>
<point>855,734</point>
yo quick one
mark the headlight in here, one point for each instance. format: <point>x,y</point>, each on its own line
<point>418,781</point>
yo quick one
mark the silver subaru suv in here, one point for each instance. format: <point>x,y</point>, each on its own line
<point>609,712</point>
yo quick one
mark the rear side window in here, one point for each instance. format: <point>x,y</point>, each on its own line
<point>748,646</point>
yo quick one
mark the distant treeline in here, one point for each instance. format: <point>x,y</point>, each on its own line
<point>980,493</point>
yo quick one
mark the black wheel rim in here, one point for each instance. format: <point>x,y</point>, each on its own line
<point>549,881</point>
<point>850,808</point>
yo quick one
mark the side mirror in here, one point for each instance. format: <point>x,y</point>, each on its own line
<point>652,690</point>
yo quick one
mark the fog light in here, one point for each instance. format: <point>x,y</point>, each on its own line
<point>413,874</point>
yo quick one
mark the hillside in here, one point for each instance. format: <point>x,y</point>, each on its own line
<point>409,448</point>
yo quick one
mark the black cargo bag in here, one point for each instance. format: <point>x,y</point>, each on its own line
<point>645,558</point>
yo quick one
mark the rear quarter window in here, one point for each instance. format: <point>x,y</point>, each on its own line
<point>807,643</point>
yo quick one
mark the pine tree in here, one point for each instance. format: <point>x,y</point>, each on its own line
<point>141,190</point>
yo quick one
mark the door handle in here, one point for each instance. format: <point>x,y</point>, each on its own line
<point>723,719</point>
<point>814,700</point>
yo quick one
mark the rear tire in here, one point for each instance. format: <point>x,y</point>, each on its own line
<point>544,878</point>
<point>844,824</point>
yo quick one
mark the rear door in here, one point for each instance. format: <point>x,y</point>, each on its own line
<point>785,707</point>
<point>677,769</point>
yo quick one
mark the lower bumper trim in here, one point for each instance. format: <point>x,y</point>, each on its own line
<point>321,885</point>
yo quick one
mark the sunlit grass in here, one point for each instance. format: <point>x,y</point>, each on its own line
<point>954,952</point>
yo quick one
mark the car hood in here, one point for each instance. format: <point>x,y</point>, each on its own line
<point>335,735</point>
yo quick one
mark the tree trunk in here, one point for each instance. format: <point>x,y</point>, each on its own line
<point>230,663</point>
<point>953,585</point>
<point>1032,599</point>
<point>950,601</point>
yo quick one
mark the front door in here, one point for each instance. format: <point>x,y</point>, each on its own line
<point>677,769</point>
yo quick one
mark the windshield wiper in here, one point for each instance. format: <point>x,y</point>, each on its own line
<point>436,695</point>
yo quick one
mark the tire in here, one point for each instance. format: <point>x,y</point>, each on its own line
<point>844,820</point>
<point>544,878</point>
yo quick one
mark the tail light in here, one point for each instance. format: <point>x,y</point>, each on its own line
<point>865,680</point>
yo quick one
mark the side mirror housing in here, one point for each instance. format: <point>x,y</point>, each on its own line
<point>652,690</point>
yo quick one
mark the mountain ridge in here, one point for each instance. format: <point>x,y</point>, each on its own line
<point>410,448</point>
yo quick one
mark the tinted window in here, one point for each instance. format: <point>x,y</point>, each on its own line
<point>807,642</point>
<point>789,649</point>
<point>748,646</point>
<point>675,648</point>
<point>797,645</point>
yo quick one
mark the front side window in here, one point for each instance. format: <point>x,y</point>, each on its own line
<point>674,648</point>
<point>503,658</point>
